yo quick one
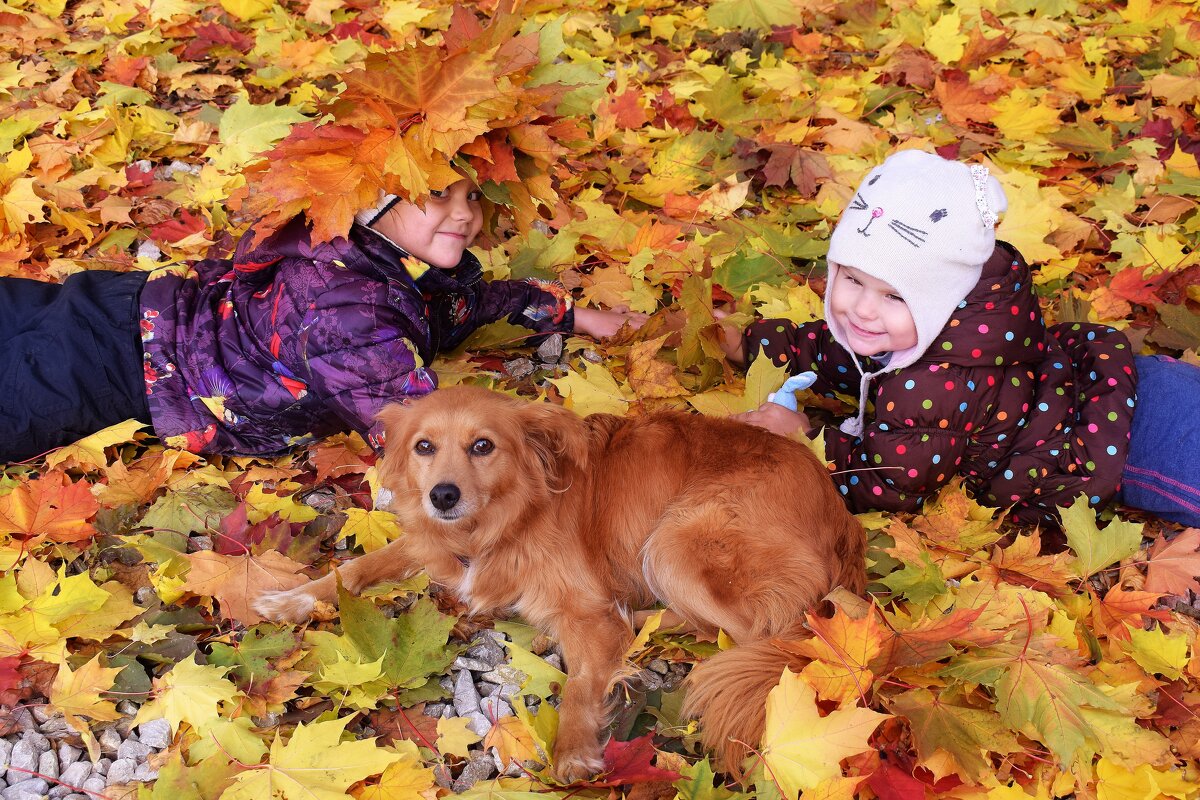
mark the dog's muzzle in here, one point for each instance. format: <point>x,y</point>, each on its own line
<point>444,496</point>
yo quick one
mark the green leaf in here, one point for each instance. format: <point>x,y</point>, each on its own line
<point>413,645</point>
<point>246,130</point>
<point>920,583</point>
<point>199,508</point>
<point>744,269</point>
<point>1096,549</point>
<point>753,14</point>
<point>250,657</point>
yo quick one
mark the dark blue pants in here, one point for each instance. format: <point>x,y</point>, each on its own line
<point>70,359</point>
<point>1162,474</point>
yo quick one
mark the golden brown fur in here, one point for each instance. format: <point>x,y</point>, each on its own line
<point>574,523</point>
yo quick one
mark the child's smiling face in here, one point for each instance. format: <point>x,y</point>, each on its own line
<point>872,315</point>
<point>439,233</point>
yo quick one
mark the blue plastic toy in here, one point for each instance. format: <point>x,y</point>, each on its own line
<point>786,395</point>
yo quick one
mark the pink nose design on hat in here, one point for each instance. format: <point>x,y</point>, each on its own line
<point>876,213</point>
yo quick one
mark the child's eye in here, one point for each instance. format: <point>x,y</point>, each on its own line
<point>438,193</point>
<point>851,278</point>
<point>895,297</point>
<point>475,195</point>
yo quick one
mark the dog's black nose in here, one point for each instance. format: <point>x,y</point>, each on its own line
<point>444,496</point>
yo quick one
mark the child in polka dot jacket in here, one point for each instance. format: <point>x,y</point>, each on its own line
<point>933,325</point>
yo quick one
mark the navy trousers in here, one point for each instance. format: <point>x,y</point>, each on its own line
<point>70,359</point>
<point>1162,474</point>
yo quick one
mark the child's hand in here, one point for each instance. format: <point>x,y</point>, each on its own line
<point>776,419</point>
<point>731,342</point>
<point>601,324</point>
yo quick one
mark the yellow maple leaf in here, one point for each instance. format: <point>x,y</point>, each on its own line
<point>945,40</point>
<point>89,451</point>
<point>247,130</point>
<point>454,737</point>
<point>77,694</point>
<point>405,779</point>
<point>513,741</point>
<point>801,747</point>
<point>370,529</point>
<point>190,693</point>
<point>260,504</point>
<point>594,392</point>
<point>247,9</point>
<point>762,378</point>
<point>1158,652</point>
<point>315,764</point>
<point>1021,116</point>
<point>1115,782</point>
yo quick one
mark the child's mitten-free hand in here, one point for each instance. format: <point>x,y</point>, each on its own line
<point>776,418</point>
<point>600,324</point>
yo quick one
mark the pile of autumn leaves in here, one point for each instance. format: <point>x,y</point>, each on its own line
<point>661,154</point>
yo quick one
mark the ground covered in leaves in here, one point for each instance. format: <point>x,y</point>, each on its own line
<point>685,152</point>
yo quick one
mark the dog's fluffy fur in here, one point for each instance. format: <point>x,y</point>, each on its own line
<point>575,522</point>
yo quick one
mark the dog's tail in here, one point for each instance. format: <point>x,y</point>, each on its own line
<point>728,692</point>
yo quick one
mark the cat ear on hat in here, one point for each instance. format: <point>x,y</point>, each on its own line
<point>990,199</point>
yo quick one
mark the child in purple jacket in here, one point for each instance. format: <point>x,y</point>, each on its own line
<point>286,342</point>
<point>933,331</point>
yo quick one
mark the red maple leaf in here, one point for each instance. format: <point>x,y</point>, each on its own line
<point>632,762</point>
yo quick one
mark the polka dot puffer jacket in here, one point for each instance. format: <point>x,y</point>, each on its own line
<point>1030,416</point>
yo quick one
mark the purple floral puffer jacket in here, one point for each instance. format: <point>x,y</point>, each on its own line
<point>291,341</point>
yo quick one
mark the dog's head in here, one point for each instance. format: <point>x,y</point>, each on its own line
<point>465,457</point>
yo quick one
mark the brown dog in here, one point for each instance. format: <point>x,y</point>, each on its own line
<point>573,523</point>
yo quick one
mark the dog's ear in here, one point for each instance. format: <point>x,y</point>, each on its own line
<point>556,435</point>
<point>394,418</point>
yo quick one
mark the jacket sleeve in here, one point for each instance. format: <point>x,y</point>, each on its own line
<point>802,348</point>
<point>542,306</point>
<point>355,373</point>
<point>913,443</point>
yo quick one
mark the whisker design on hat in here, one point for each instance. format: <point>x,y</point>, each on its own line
<point>858,204</point>
<point>914,236</point>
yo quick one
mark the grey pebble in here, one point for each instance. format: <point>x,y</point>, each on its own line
<point>155,733</point>
<point>57,727</point>
<point>110,740</point>
<point>72,776</point>
<point>486,689</point>
<point>196,543</point>
<point>473,664</point>
<point>145,596</point>
<point>22,762</point>
<point>487,651</point>
<point>133,750</point>
<point>435,709</point>
<point>32,789</point>
<point>5,753</point>
<point>554,661</point>
<point>94,785</point>
<point>466,698</point>
<point>121,771</point>
<point>660,666</point>
<point>145,772</point>
<point>68,754</point>
<point>101,766</point>
<point>48,764</point>
<point>504,674</point>
<point>520,367</point>
<point>41,713</point>
<point>550,350</point>
<point>478,723</point>
<point>479,768</point>
<point>494,708</point>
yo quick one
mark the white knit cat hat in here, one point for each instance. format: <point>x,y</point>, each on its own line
<point>925,226</point>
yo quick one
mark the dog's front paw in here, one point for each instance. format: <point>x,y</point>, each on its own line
<point>292,605</point>
<point>573,765</point>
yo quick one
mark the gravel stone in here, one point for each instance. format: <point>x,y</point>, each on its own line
<point>494,708</point>
<point>554,661</point>
<point>479,768</point>
<point>22,761</point>
<point>145,772</point>
<point>74,775</point>
<point>121,771</point>
<point>101,766</point>
<point>110,740</point>
<point>6,748</point>
<point>68,754</point>
<point>156,734</point>
<point>488,651</point>
<point>504,674</point>
<point>133,750</point>
<point>94,785</point>
<point>48,764</point>
<point>550,351</point>
<point>520,367</point>
<point>473,664</point>
<point>41,713</point>
<point>660,666</point>
<point>486,689</point>
<point>478,723</point>
<point>435,709</point>
<point>466,697</point>
<point>31,789</point>
<point>57,728</point>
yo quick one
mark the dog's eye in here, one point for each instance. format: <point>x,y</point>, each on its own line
<point>482,447</point>
<point>424,447</point>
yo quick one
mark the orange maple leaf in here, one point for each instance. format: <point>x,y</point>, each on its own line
<point>235,581</point>
<point>1174,565</point>
<point>50,507</point>
<point>1121,609</point>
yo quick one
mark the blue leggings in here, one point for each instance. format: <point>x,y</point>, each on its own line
<point>1162,474</point>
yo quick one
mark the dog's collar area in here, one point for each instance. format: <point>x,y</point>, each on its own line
<point>466,562</point>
